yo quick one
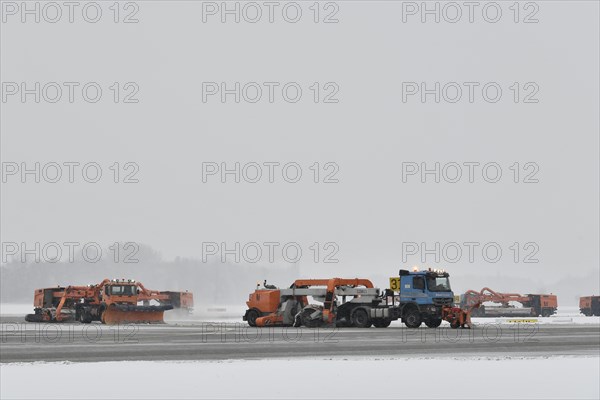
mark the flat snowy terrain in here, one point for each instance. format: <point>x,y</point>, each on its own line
<point>564,315</point>
<point>453,378</point>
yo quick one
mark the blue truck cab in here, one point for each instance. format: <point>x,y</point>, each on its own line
<point>422,294</point>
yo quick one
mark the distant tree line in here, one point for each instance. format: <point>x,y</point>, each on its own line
<point>211,282</point>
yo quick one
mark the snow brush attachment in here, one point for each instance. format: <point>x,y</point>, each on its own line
<point>133,314</point>
<point>457,317</point>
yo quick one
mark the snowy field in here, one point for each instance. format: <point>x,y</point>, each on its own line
<point>347,378</point>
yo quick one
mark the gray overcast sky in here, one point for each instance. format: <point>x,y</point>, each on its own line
<point>361,61</point>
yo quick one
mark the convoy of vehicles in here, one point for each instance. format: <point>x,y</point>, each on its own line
<point>415,297</point>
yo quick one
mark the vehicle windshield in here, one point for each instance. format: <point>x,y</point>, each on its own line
<point>123,290</point>
<point>438,284</point>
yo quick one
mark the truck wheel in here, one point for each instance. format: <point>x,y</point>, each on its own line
<point>545,312</point>
<point>433,322</point>
<point>251,317</point>
<point>360,318</point>
<point>413,318</point>
<point>381,323</point>
<point>84,317</point>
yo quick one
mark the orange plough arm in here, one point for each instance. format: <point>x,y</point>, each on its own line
<point>331,285</point>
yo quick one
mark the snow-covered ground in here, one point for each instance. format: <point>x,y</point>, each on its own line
<point>347,378</point>
<point>15,309</point>
<point>231,314</point>
<point>564,315</point>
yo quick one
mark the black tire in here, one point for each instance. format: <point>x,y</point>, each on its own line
<point>251,317</point>
<point>433,322</point>
<point>360,318</point>
<point>413,319</point>
<point>546,312</point>
<point>454,325</point>
<point>381,323</point>
<point>85,317</point>
<point>34,318</point>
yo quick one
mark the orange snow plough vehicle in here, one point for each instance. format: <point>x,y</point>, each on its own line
<point>531,305</point>
<point>423,297</point>
<point>271,306</point>
<point>111,302</point>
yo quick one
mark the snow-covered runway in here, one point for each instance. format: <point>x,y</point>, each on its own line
<point>556,357</point>
<point>347,378</point>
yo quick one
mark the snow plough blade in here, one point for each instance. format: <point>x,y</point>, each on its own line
<point>130,314</point>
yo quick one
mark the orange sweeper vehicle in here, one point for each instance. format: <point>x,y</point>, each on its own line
<point>590,305</point>
<point>422,297</point>
<point>531,305</point>
<point>111,302</point>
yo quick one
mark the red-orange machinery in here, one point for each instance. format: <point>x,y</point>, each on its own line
<point>589,305</point>
<point>533,305</point>
<point>111,302</point>
<point>271,306</point>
